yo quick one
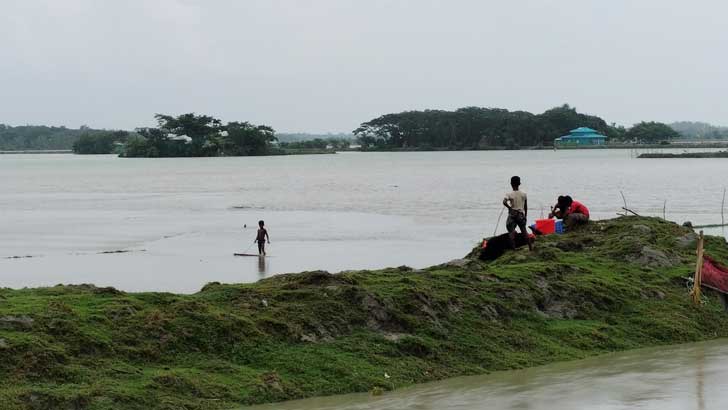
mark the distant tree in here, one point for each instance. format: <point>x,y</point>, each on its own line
<point>244,138</point>
<point>367,140</point>
<point>472,128</point>
<point>699,130</point>
<point>302,136</point>
<point>191,135</point>
<point>561,120</point>
<point>202,129</point>
<point>318,143</point>
<point>138,146</point>
<point>38,137</point>
<point>99,142</point>
<point>154,142</point>
<point>651,132</point>
<point>616,132</point>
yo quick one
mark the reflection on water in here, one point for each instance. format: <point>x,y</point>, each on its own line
<point>262,270</point>
<point>693,376</point>
<point>700,376</point>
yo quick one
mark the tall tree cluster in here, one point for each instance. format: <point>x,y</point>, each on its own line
<point>191,135</point>
<point>651,132</point>
<point>477,128</point>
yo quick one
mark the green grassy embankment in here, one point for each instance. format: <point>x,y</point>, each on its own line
<point>612,286</point>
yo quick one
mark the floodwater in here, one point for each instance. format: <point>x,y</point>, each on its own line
<point>684,377</point>
<point>176,222</point>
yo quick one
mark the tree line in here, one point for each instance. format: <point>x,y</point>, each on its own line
<point>699,130</point>
<point>483,128</point>
<point>189,135</point>
<point>318,143</point>
<point>38,137</point>
<point>306,136</point>
<point>100,142</point>
<point>83,140</point>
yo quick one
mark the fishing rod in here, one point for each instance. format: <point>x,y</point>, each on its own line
<point>249,246</point>
<point>499,219</point>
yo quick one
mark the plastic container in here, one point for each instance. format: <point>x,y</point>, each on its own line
<point>546,226</point>
<point>559,227</point>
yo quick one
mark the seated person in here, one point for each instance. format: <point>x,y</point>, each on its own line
<point>572,212</point>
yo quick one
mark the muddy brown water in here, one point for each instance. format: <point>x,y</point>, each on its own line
<point>173,224</point>
<point>682,377</point>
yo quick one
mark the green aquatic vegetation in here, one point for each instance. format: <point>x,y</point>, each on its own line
<point>613,285</point>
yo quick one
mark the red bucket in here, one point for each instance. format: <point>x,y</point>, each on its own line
<point>546,226</point>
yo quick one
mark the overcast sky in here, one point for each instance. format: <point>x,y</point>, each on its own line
<point>328,65</point>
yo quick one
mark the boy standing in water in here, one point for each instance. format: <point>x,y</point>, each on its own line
<point>517,203</point>
<point>262,237</point>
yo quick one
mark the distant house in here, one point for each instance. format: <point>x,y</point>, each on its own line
<point>581,136</point>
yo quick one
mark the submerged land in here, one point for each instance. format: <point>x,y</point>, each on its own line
<point>614,285</point>
<point>718,154</point>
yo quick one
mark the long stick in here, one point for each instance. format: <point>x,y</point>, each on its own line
<point>698,280</point>
<point>498,223</point>
<point>664,205</point>
<point>722,207</point>
<point>248,248</point>
<point>623,199</point>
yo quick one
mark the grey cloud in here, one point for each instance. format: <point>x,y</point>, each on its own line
<point>327,65</point>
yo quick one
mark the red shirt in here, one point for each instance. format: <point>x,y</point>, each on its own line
<point>578,208</point>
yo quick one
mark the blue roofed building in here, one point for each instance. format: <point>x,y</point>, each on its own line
<point>581,136</point>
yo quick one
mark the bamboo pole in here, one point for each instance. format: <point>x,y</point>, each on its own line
<point>698,281</point>
<point>624,199</point>
<point>722,208</point>
<point>495,231</point>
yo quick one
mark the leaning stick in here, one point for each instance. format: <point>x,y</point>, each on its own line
<point>698,281</point>
<point>498,223</point>
<point>722,208</point>
<point>623,199</point>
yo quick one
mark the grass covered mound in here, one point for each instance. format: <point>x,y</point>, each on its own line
<point>614,285</point>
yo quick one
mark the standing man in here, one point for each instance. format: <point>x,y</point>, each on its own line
<point>517,203</point>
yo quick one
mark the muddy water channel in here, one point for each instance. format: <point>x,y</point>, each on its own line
<point>692,376</point>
